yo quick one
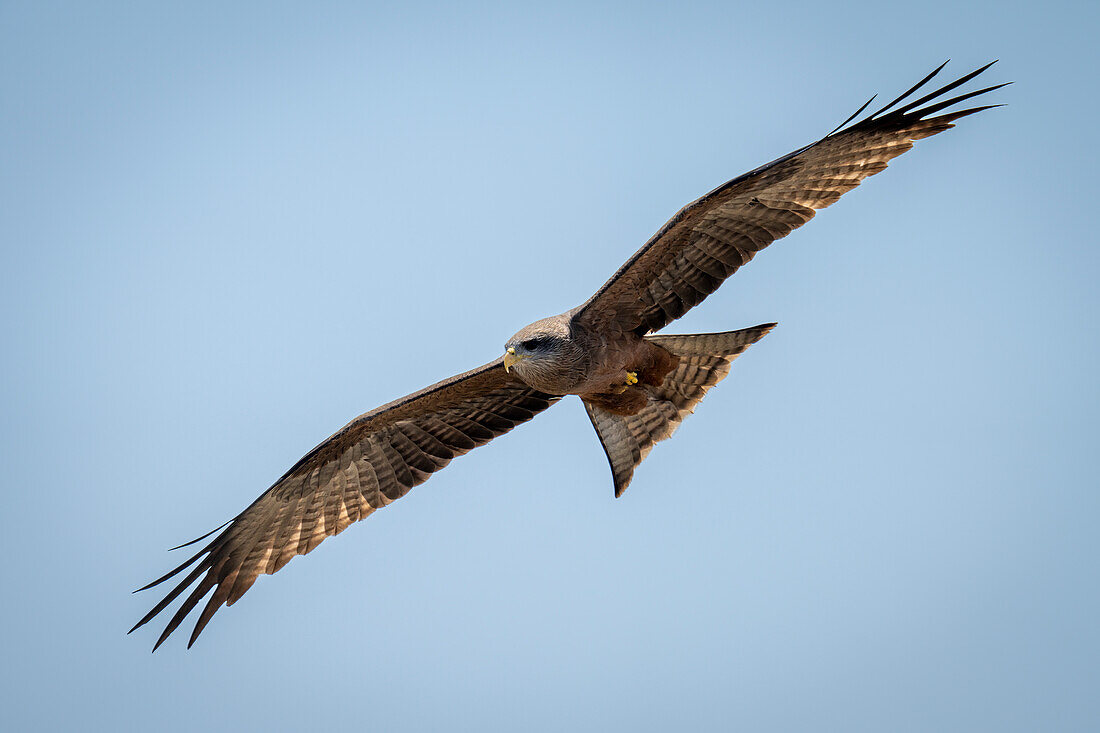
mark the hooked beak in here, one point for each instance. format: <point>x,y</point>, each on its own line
<point>510,358</point>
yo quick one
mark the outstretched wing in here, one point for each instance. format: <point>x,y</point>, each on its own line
<point>373,460</point>
<point>709,239</point>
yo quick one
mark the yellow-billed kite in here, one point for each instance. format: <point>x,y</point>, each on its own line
<point>635,385</point>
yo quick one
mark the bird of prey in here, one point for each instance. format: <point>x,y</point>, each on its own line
<point>636,385</point>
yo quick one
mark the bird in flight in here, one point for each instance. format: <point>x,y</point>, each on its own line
<point>636,385</point>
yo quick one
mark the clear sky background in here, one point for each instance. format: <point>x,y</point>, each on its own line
<point>226,232</point>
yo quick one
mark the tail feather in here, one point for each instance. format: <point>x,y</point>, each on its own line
<point>704,359</point>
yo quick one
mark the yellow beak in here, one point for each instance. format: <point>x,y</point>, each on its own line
<point>510,358</point>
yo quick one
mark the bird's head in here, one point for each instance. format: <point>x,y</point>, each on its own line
<point>543,353</point>
<point>536,345</point>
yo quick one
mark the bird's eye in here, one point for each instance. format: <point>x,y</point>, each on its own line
<point>531,344</point>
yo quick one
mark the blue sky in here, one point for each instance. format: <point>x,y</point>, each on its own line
<point>226,232</point>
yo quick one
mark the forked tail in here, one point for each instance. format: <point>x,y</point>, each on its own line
<point>704,359</point>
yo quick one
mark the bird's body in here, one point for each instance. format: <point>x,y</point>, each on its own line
<point>636,385</point>
<point>568,359</point>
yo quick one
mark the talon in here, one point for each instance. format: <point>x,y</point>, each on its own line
<point>631,378</point>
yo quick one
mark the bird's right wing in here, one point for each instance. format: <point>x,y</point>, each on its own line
<point>372,461</point>
<point>709,239</point>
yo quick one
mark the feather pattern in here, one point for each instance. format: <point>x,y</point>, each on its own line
<point>703,360</point>
<point>374,460</point>
<point>709,239</point>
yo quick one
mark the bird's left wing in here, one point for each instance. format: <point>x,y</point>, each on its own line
<point>709,239</point>
<point>373,460</point>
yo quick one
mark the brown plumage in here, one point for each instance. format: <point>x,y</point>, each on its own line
<point>637,387</point>
<point>372,461</point>
<point>697,362</point>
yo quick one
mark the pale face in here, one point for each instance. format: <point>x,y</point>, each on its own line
<point>544,356</point>
<point>540,343</point>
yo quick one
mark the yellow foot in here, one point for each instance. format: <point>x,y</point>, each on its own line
<point>631,378</point>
